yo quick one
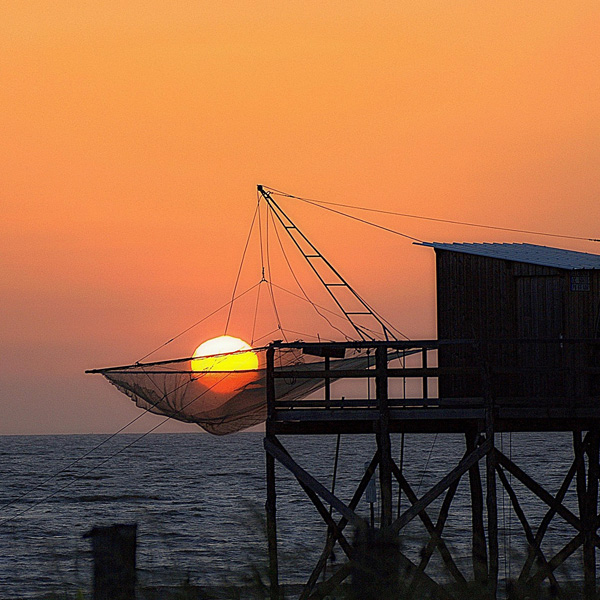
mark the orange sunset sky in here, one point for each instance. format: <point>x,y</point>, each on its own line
<point>134,134</point>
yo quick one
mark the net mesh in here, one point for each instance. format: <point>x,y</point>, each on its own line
<point>219,401</point>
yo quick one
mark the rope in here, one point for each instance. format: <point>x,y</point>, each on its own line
<point>107,459</point>
<point>322,204</point>
<point>229,303</point>
<point>382,321</point>
<point>237,279</point>
<point>427,463</point>
<point>71,464</point>
<point>270,285</point>
<point>255,315</point>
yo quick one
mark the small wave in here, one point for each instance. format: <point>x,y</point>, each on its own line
<point>105,498</point>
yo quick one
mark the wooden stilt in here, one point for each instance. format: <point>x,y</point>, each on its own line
<point>471,415</point>
<point>539,491</point>
<point>556,561</point>
<point>480,569</point>
<point>426,499</point>
<point>308,588</point>
<point>549,516</point>
<point>436,540</point>
<point>271,493</point>
<point>383,437</point>
<point>335,532</point>
<point>526,527</point>
<point>272,528</point>
<point>326,587</point>
<point>589,519</point>
<point>276,451</point>
<point>492,514</point>
<point>436,535</point>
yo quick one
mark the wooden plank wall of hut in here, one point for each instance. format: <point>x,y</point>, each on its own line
<point>483,298</point>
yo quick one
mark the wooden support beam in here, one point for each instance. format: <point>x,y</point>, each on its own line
<point>362,486</point>
<point>383,436</point>
<point>430,587</point>
<point>439,527</point>
<point>539,536</point>
<point>492,514</point>
<point>479,547</point>
<point>272,529</point>
<point>436,540</point>
<point>539,491</point>
<point>465,464</point>
<point>326,587</point>
<point>555,561</point>
<point>525,524</point>
<point>303,476</point>
<point>589,518</point>
<point>335,531</point>
<point>271,502</point>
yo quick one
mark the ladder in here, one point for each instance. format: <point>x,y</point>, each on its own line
<point>360,313</point>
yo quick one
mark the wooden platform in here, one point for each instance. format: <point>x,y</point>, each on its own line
<point>530,404</point>
<point>475,388</point>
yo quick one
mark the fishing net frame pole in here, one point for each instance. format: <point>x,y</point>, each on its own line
<point>290,227</point>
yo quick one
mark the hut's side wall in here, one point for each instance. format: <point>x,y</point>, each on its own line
<point>475,297</point>
<point>483,298</point>
<point>475,301</point>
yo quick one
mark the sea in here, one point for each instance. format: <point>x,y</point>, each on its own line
<point>198,502</point>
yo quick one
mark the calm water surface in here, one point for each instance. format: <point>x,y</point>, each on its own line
<point>198,502</point>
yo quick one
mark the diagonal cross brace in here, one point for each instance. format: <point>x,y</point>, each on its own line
<point>465,464</point>
<point>331,540</point>
<point>319,489</point>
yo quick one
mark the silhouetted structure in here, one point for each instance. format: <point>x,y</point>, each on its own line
<point>517,300</point>
<point>517,351</point>
<point>114,550</point>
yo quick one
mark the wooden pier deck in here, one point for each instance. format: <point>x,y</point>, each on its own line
<point>477,388</point>
<point>553,397</point>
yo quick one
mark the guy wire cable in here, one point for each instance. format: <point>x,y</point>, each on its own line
<point>228,303</point>
<point>313,304</point>
<point>322,203</point>
<point>237,280</point>
<point>106,459</point>
<point>96,447</point>
<point>382,321</point>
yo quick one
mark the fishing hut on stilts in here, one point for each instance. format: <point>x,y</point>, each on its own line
<point>518,350</point>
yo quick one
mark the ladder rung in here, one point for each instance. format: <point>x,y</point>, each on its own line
<point>312,255</point>
<point>357,313</point>
<point>290,227</point>
<point>336,284</point>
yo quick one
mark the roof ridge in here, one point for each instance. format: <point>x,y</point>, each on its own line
<point>547,256</point>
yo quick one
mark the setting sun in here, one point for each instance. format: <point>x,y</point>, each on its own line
<point>225,364</point>
<point>224,353</point>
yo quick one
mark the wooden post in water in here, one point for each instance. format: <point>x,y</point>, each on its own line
<point>271,494</point>
<point>492,513</point>
<point>588,503</point>
<point>491,497</point>
<point>114,561</point>
<point>383,436</point>
<point>480,570</point>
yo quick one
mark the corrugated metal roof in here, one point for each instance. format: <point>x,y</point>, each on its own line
<point>526,253</point>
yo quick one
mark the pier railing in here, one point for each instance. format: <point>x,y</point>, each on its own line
<point>439,385</point>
